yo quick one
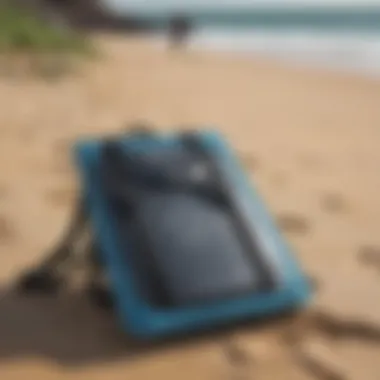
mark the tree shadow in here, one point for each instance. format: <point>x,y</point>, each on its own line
<point>88,15</point>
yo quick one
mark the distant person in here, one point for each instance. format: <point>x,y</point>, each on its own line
<point>179,30</point>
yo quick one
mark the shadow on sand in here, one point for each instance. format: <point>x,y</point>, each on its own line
<point>69,330</point>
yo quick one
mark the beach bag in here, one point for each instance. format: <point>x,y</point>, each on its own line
<point>182,237</point>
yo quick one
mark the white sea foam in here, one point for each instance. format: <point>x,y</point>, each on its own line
<point>350,52</point>
<point>347,51</point>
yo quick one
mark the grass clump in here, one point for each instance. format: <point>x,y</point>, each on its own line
<point>22,30</point>
<point>33,45</point>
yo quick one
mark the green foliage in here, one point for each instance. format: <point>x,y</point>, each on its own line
<point>21,30</point>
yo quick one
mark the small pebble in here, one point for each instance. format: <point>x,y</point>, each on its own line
<point>6,229</point>
<point>236,354</point>
<point>334,203</point>
<point>249,161</point>
<point>369,254</point>
<point>293,223</point>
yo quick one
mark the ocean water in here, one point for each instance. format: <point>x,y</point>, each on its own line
<point>349,51</point>
<point>338,34</point>
<point>193,5</point>
<point>262,13</point>
<point>356,53</point>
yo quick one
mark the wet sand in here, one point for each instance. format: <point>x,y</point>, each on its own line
<point>308,138</point>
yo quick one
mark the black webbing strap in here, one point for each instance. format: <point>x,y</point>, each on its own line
<point>66,246</point>
<point>48,275</point>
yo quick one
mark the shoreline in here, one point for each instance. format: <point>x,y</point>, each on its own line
<point>309,141</point>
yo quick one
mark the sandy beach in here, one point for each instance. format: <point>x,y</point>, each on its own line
<point>310,141</point>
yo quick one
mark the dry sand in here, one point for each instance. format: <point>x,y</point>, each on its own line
<point>309,139</point>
